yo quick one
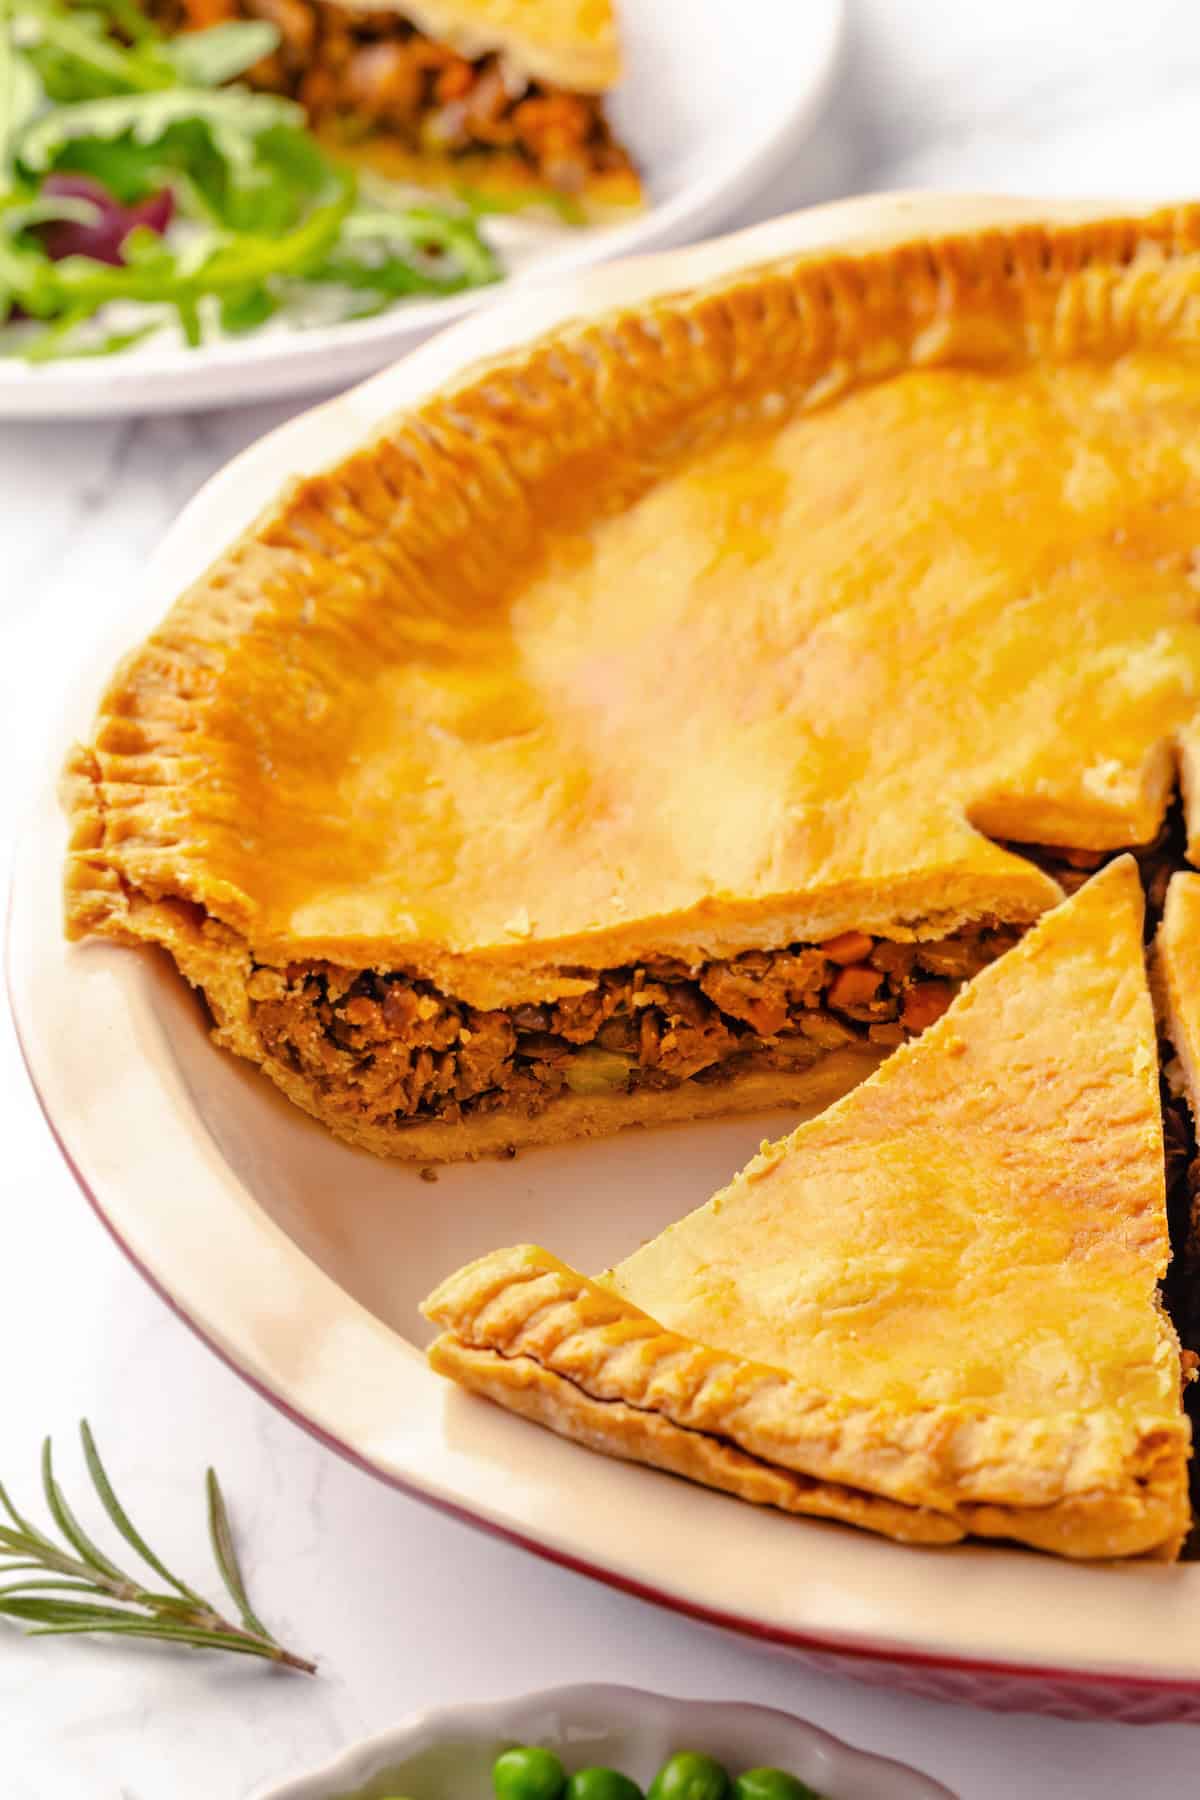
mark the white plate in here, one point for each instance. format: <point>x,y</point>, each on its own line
<point>716,100</point>
<point>448,1754</point>
<point>302,1261</point>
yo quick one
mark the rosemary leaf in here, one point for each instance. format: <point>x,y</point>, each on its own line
<point>221,1533</point>
<point>69,1592</point>
<point>179,1634</point>
<point>42,1587</point>
<point>32,1606</point>
<point>21,1524</point>
<point>121,1519</point>
<point>48,1555</point>
<point>70,1527</point>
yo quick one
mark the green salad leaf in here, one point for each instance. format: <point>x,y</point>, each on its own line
<point>261,222</point>
<point>210,58</point>
<point>232,116</point>
<point>21,93</point>
<point>75,56</point>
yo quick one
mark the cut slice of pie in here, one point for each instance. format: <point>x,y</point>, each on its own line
<point>505,97</point>
<point>641,727</point>
<point>933,1311</point>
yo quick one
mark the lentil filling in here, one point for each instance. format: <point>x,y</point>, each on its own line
<point>360,70</point>
<point>388,1047</point>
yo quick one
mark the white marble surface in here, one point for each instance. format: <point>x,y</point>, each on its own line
<point>403,1607</point>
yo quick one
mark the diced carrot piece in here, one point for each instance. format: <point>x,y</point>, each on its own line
<point>854,987</point>
<point>926,1002</point>
<point>850,947</point>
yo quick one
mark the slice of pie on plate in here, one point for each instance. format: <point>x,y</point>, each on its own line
<point>664,718</point>
<point>932,1311</point>
<point>506,97</point>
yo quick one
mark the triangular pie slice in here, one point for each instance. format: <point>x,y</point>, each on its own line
<point>933,1311</point>
<point>641,727</point>
<point>502,97</point>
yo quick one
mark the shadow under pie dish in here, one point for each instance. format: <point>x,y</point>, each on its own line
<point>636,730</point>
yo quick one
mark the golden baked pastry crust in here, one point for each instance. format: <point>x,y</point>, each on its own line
<point>731,621</point>
<point>571,43</point>
<point>932,1311</point>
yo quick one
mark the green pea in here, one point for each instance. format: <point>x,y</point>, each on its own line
<point>528,1773</point>
<point>690,1776</point>
<point>602,1784</point>
<point>772,1784</point>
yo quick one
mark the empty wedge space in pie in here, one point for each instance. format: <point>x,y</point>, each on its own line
<point>665,718</point>
<point>933,1311</point>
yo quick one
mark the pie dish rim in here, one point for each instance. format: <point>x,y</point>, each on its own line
<point>1172,1677</point>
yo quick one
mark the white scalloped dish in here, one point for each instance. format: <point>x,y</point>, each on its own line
<point>447,1754</point>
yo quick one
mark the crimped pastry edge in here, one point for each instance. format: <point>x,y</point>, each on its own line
<point>544,1341</point>
<point>1022,270</point>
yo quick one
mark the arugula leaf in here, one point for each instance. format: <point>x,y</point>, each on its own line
<point>233,117</point>
<point>153,273</point>
<point>268,221</point>
<point>60,340</point>
<point>209,58</point>
<point>127,16</point>
<point>129,171</point>
<point>20,90</point>
<point>392,253</point>
<point>23,280</point>
<point>46,209</point>
<point>246,308</point>
<point>431,237</point>
<point>78,59</point>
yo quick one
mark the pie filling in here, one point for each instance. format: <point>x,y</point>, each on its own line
<point>384,1047</point>
<point>390,1048</point>
<point>359,72</point>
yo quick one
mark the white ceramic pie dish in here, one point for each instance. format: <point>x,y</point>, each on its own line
<point>710,115</point>
<point>447,1754</point>
<point>301,1261</point>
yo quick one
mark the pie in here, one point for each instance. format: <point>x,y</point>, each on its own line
<point>668,717</point>
<point>932,1312</point>
<point>506,97</point>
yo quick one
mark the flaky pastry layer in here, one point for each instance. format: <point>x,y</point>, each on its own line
<point>542,1340</point>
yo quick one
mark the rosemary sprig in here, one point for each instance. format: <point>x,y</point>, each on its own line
<point>113,1602</point>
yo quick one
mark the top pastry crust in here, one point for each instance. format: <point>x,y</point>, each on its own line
<point>735,620</point>
<point>571,43</point>
<point>932,1310</point>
